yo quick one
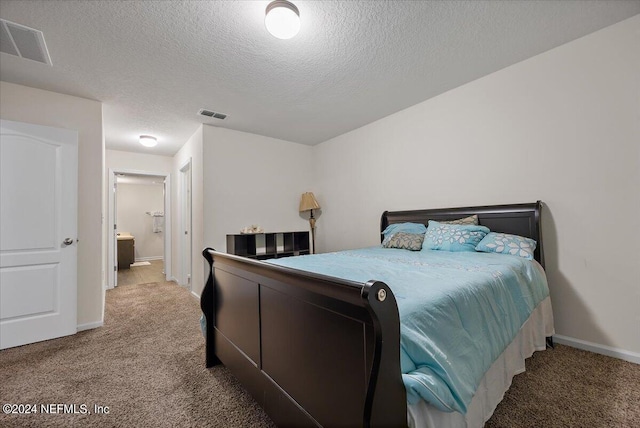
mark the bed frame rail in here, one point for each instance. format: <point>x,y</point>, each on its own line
<point>308,347</point>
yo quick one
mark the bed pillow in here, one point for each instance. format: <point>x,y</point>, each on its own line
<point>453,237</point>
<point>472,219</point>
<point>403,227</point>
<point>504,243</point>
<point>405,241</point>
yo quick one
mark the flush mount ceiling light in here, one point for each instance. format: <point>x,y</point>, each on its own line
<point>148,141</point>
<point>282,19</point>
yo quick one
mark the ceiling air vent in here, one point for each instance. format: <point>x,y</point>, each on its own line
<point>24,42</point>
<point>213,114</point>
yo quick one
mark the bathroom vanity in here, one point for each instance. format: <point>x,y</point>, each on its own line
<point>126,251</point>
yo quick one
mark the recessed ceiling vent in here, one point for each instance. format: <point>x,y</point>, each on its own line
<point>213,114</point>
<point>24,42</point>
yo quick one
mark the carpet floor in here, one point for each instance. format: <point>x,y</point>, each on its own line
<point>145,367</point>
<point>146,364</point>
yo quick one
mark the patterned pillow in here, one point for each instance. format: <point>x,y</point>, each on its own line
<point>504,243</point>
<point>403,227</point>
<point>453,237</point>
<point>405,241</point>
<point>472,219</point>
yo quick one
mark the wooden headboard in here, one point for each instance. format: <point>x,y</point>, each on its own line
<point>516,219</point>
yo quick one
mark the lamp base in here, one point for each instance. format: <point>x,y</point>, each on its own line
<point>312,223</point>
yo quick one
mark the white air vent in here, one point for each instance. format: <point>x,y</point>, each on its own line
<point>24,42</point>
<point>209,113</point>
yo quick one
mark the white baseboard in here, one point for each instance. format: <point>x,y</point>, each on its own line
<point>622,354</point>
<point>89,326</point>
<point>174,279</point>
<point>194,294</point>
<point>146,259</point>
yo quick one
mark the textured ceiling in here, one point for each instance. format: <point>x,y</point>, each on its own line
<point>154,64</point>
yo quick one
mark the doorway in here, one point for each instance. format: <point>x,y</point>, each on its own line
<point>140,227</point>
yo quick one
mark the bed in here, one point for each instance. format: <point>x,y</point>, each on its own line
<point>319,350</point>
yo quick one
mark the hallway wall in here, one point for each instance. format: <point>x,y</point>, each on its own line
<point>24,104</point>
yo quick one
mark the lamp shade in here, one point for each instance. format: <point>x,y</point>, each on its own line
<point>308,202</point>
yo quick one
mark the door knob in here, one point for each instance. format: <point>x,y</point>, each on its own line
<point>68,241</point>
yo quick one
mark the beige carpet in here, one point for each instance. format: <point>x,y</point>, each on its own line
<point>147,366</point>
<point>568,387</point>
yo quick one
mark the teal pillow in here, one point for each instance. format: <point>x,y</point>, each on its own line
<point>402,227</point>
<point>453,237</point>
<point>504,243</point>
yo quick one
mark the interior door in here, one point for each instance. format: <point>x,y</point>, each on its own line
<point>114,234</point>
<point>186,224</point>
<point>38,233</point>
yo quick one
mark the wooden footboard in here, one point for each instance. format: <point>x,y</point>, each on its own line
<point>311,349</point>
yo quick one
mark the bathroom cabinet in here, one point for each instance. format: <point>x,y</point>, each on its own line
<point>126,252</point>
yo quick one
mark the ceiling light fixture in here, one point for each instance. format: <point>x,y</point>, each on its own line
<point>148,141</point>
<point>282,19</point>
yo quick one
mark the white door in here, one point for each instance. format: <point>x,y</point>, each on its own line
<point>186,224</point>
<point>114,234</point>
<point>38,230</point>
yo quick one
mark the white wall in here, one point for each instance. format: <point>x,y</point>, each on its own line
<point>120,160</point>
<point>251,179</point>
<point>24,104</point>
<point>192,149</point>
<point>134,201</point>
<point>562,127</point>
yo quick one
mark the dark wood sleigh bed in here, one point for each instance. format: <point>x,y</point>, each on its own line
<point>315,350</point>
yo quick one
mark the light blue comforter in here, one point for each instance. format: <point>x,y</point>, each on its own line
<point>458,311</point>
